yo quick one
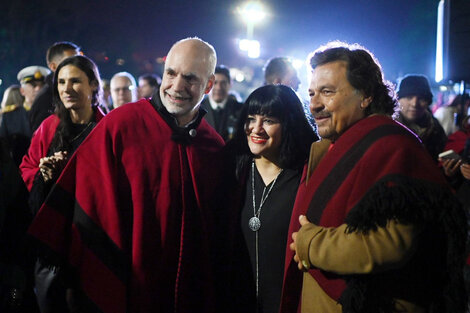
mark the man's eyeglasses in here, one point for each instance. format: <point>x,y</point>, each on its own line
<point>124,89</point>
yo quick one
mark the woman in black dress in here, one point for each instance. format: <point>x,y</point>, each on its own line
<point>270,149</point>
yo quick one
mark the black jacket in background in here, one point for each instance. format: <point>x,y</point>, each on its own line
<point>224,121</point>
<point>42,106</point>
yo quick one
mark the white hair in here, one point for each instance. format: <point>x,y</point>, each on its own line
<point>127,75</point>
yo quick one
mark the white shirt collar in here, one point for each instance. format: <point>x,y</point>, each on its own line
<point>216,105</point>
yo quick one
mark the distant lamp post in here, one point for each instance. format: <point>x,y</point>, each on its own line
<point>252,12</point>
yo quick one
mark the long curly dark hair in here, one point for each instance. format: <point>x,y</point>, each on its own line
<point>62,136</point>
<point>297,134</point>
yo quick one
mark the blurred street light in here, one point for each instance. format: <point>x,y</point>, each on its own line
<point>252,12</point>
<point>298,63</point>
<point>252,47</point>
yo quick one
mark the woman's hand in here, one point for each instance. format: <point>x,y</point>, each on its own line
<point>51,167</point>
<point>450,166</point>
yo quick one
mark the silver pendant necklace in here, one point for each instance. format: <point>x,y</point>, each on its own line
<point>255,223</point>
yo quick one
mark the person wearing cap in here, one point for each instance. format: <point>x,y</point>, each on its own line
<point>31,78</point>
<point>14,123</point>
<point>414,97</point>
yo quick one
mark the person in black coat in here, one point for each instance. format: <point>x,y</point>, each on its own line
<point>16,292</point>
<point>222,108</point>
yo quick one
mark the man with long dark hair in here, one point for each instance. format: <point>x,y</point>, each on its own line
<point>380,230</point>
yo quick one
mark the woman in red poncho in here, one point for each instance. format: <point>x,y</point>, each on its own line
<point>76,93</point>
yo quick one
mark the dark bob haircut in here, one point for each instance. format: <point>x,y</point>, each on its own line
<point>296,135</point>
<point>364,73</point>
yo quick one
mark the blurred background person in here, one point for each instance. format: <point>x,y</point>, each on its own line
<point>148,84</point>
<point>42,106</point>
<point>279,70</point>
<point>414,97</point>
<point>32,79</point>
<point>457,169</point>
<point>107,100</point>
<point>222,108</point>
<point>16,286</point>
<point>76,92</point>
<point>123,89</point>
<point>270,149</point>
<point>14,124</point>
<point>450,116</point>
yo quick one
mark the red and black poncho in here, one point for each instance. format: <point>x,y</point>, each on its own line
<point>132,213</point>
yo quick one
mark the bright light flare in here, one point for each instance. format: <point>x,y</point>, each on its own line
<point>439,74</point>
<point>252,47</point>
<point>297,63</point>
<point>252,12</point>
<point>239,77</point>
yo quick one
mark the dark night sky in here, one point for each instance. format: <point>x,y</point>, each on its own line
<point>401,33</point>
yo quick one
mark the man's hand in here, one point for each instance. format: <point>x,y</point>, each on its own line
<point>465,170</point>
<point>293,246</point>
<point>51,167</point>
<point>450,166</point>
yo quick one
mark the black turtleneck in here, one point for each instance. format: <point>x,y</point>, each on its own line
<point>182,135</point>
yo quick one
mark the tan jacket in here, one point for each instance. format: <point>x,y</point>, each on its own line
<point>334,250</point>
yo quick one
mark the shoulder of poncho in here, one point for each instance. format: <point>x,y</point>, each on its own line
<point>128,113</point>
<point>49,125</point>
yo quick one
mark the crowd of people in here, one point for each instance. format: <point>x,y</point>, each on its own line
<point>169,195</point>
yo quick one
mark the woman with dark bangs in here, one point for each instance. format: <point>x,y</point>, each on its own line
<point>76,94</point>
<point>269,149</point>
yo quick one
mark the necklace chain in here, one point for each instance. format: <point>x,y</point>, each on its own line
<point>80,133</point>
<point>254,222</point>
